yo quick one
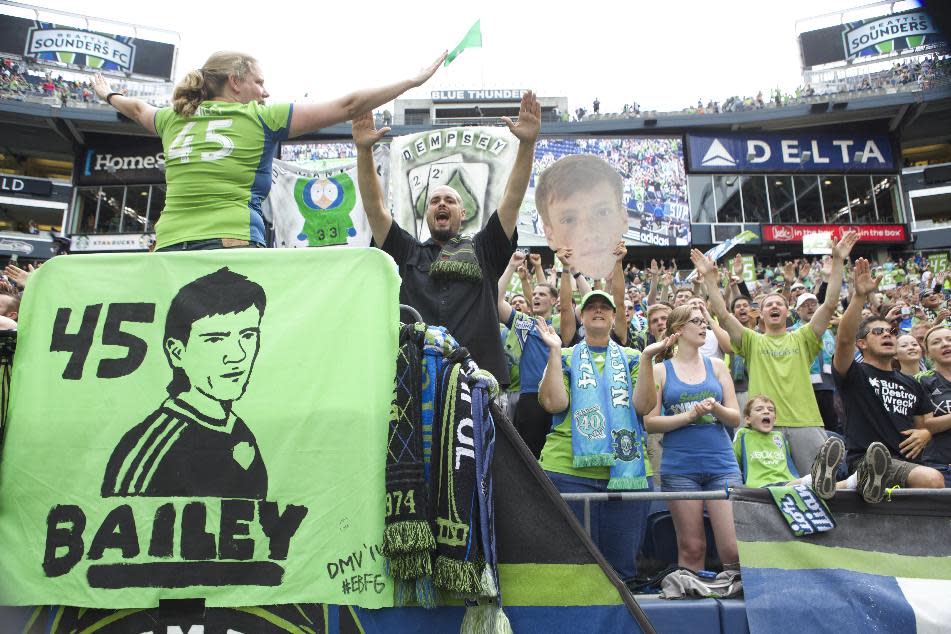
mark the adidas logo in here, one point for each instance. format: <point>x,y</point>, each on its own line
<point>717,156</point>
<point>936,392</point>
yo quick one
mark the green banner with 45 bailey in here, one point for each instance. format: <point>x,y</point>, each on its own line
<point>200,425</point>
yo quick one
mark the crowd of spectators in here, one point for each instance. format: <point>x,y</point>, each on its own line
<point>754,319</point>
<point>22,81</point>
<point>317,151</point>
<point>912,74</point>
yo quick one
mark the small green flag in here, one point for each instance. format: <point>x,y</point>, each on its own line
<point>472,39</point>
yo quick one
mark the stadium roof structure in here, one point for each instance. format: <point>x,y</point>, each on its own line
<point>45,131</point>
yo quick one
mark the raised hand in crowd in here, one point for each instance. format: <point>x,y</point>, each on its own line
<point>789,272</point>
<point>701,263</point>
<point>535,259</point>
<point>894,314</point>
<point>863,282</point>
<point>738,265</point>
<point>655,270</point>
<point>564,256</point>
<point>843,247</point>
<point>517,259</point>
<point>526,127</point>
<point>6,288</point>
<point>548,334</point>
<point>804,269</point>
<point>658,348</point>
<point>365,134</point>
<point>19,276</point>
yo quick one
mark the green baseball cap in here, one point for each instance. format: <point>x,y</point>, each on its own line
<point>591,294</point>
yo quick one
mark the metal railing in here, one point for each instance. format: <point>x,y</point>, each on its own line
<point>650,496</point>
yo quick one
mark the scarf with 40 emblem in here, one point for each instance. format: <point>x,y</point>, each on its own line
<point>605,431</point>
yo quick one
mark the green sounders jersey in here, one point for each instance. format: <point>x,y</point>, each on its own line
<point>218,170</point>
<point>779,366</point>
<point>557,455</point>
<point>763,457</point>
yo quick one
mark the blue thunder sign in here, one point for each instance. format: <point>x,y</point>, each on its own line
<point>812,153</point>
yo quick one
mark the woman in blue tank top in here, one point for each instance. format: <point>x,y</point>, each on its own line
<point>695,400</point>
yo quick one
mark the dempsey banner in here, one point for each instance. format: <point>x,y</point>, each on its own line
<point>310,208</point>
<point>475,161</point>
<point>212,427</point>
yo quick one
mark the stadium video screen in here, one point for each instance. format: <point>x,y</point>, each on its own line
<point>320,157</point>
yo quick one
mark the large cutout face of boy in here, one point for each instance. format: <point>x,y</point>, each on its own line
<point>579,202</point>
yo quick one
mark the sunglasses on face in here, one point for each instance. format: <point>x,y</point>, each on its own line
<point>879,331</point>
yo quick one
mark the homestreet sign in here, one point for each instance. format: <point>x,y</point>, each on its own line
<point>815,153</point>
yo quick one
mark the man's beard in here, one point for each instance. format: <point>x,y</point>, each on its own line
<point>442,235</point>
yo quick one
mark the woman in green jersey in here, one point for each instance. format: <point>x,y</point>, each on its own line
<point>219,139</point>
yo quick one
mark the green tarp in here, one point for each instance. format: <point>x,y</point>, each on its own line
<point>208,424</point>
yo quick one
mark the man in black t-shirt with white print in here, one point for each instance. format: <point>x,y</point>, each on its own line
<point>885,410</point>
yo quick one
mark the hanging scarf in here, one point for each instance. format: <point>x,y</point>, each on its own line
<point>407,538</point>
<point>457,260</point>
<point>449,398</point>
<point>605,431</point>
<point>458,567</point>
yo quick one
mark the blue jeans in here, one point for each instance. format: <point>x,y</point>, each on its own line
<point>203,245</point>
<point>617,528</point>
<point>701,481</point>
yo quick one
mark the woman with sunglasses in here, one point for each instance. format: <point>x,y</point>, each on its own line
<point>695,399</point>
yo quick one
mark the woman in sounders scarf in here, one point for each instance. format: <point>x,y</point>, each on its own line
<point>695,399</point>
<point>597,440</point>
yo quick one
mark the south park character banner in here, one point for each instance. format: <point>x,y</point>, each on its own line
<point>475,161</point>
<point>318,208</point>
<point>200,425</point>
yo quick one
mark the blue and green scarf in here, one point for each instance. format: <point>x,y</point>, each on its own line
<point>605,430</point>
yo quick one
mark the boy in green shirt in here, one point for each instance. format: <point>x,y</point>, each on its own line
<point>764,459</point>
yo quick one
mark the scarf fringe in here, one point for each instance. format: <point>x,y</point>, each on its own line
<point>627,484</point>
<point>456,270</point>
<point>404,538</point>
<point>485,619</point>
<point>593,460</point>
<point>411,565</point>
<point>419,591</point>
<point>458,576</point>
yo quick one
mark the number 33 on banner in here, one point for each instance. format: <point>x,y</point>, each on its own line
<point>181,147</point>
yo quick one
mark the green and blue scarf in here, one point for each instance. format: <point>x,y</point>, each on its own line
<point>605,430</point>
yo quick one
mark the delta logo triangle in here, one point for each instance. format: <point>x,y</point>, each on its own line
<point>717,156</point>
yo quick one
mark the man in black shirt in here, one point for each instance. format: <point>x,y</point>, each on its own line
<point>884,409</point>
<point>465,303</point>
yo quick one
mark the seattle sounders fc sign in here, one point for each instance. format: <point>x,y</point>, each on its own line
<point>76,46</point>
